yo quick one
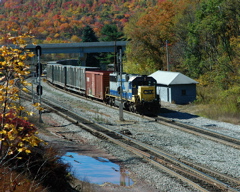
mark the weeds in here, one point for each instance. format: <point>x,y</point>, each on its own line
<point>222,105</point>
<point>43,171</point>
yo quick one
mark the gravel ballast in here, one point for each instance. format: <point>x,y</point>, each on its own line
<point>190,147</point>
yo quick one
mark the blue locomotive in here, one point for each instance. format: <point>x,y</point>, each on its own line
<point>138,93</point>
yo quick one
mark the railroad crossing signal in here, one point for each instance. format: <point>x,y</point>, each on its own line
<point>39,72</point>
<point>39,90</point>
<point>39,69</point>
<point>38,50</point>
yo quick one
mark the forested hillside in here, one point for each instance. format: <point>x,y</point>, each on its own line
<point>64,20</point>
<point>199,38</point>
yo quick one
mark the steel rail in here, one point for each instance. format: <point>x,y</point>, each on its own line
<point>150,158</point>
<point>156,161</point>
<point>136,151</point>
<point>211,135</point>
<point>182,164</point>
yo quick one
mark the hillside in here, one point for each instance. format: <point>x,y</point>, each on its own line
<point>64,20</point>
<point>198,38</point>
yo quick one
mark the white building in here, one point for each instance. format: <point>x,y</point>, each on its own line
<point>175,87</point>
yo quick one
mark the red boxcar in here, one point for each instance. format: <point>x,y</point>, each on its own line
<point>96,83</point>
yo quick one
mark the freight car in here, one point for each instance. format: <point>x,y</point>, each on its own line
<point>69,77</point>
<point>138,92</point>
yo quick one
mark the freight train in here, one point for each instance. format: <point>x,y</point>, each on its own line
<point>138,92</point>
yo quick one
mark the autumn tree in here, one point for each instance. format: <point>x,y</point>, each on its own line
<point>148,33</point>
<point>17,135</point>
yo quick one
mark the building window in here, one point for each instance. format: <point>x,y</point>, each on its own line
<point>184,92</point>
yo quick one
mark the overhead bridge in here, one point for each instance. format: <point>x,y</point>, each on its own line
<point>83,47</point>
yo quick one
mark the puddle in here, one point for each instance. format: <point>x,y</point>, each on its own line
<point>96,170</point>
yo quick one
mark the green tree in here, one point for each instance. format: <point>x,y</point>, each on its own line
<point>89,36</point>
<point>111,33</point>
<point>210,50</point>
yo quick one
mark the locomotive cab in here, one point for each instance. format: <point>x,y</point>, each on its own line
<point>144,87</point>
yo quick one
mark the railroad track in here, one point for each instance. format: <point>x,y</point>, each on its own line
<point>211,135</point>
<point>197,176</point>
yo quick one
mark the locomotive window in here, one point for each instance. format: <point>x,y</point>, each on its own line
<point>150,83</point>
<point>144,83</point>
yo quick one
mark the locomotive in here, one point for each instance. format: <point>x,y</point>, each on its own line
<point>138,93</point>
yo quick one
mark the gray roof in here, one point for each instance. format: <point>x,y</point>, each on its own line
<point>171,78</point>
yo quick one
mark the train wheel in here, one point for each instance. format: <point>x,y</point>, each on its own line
<point>134,109</point>
<point>131,108</point>
<point>110,101</point>
<point>107,100</point>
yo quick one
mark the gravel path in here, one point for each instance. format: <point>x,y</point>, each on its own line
<point>208,153</point>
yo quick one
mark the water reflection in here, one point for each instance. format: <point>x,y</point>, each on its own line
<point>96,170</point>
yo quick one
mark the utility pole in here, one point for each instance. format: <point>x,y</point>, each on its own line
<point>39,72</point>
<point>167,55</point>
<point>121,90</point>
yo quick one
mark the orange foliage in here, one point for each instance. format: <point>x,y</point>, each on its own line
<point>64,27</point>
<point>39,14</point>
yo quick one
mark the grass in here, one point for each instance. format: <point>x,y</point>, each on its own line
<point>221,105</point>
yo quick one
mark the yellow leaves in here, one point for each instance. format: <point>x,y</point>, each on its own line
<point>27,151</point>
<point>22,57</point>
<point>11,82</point>
<point>2,139</point>
<point>3,132</point>
<point>32,140</point>
<point>16,133</point>
<point>25,118</point>
<point>20,149</point>
<point>24,149</point>
<point>30,113</point>
<point>20,128</point>
<point>10,152</point>
<point>31,54</point>
<point>11,135</point>
<point>3,63</point>
<point>20,63</point>
<point>8,126</point>
<point>25,89</point>
<point>36,104</point>
<point>21,108</point>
